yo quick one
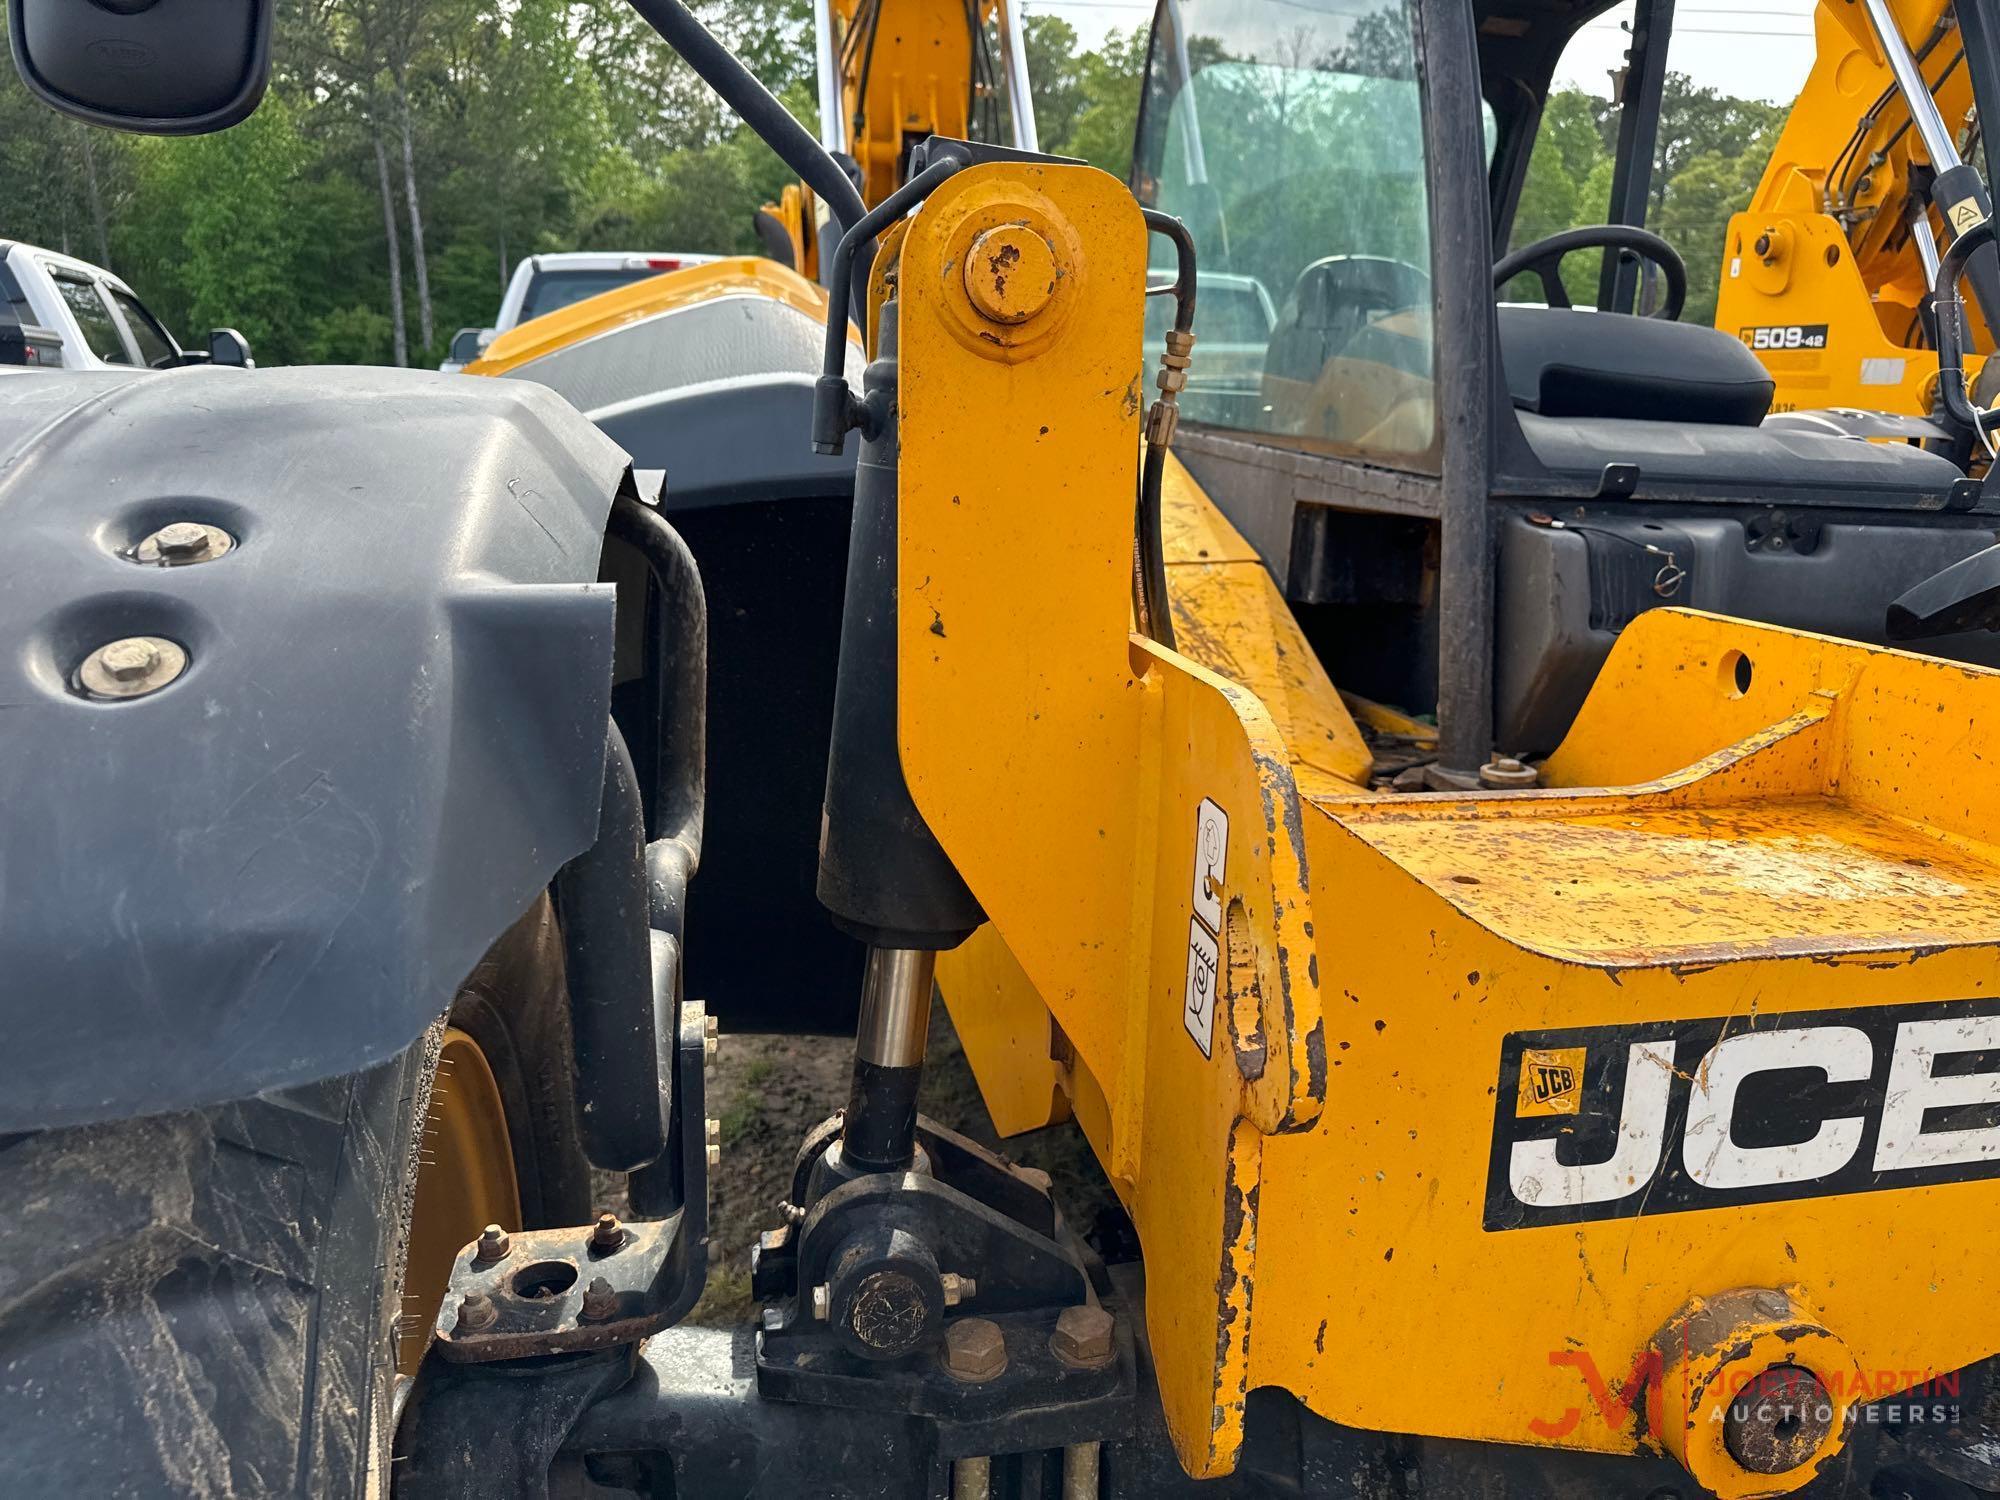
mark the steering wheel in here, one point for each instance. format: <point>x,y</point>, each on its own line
<point>1544,257</point>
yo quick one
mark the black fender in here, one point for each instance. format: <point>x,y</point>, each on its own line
<point>389,736</point>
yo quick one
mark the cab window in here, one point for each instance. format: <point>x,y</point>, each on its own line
<point>155,348</point>
<point>86,305</point>
<point>1289,138</point>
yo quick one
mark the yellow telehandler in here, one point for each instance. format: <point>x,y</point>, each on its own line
<point>1427,792</point>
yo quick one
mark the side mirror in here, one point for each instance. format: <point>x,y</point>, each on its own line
<point>467,343</point>
<point>159,67</point>
<point>228,347</point>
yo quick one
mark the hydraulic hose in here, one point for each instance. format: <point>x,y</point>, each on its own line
<point>739,88</point>
<point>1951,331</point>
<point>836,412</point>
<point>1149,546</point>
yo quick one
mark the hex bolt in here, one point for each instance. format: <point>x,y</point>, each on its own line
<point>131,667</point>
<point>129,660</point>
<point>182,539</point>
<point>494,1243</point>
<point>609,1233</point>
<point>712,1133</point>
<point>181,542</point>
<point>957,1288</point>
<point>1083,1337</point>
<point>1773,1304</point>
<point>476,1312</point>
<point>1508,771</point>
<point>711,1039</point>
<point>822,1299</point>
<point>600,1303</point>
<point>975,1350</point>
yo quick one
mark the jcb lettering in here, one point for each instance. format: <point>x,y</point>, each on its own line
<point>1703,1114</point>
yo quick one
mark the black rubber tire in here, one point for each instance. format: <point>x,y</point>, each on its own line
<point>206,1303</point>
<point>514,1005</point>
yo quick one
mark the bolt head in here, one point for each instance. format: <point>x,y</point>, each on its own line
<point>1010,273</point>
<point>131,667</point>
<point>475,1312</point>
<point>182,539</point>
<point>1083,1336</point>
<point>957,1288</point>
<point>974,1349</point>
<point>600,1303</point>
<point>822,1303</point>
<point>608,1234</point>
<point>181,542</point>
<point>494,1243</point>
<point>131,659</point>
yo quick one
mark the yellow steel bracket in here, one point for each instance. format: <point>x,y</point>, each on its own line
<point>1128,820</point>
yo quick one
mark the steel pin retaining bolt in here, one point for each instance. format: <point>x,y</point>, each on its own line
<point>1083,1337</point>
<point>494,1243</point>
<point>476,1312</point>
<point>822,1303</point>
<point>609,1233</point>
<point>131,667</point>
<point>974,1349</point>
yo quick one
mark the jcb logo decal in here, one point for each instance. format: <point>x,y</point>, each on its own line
<point>1549,1082</point>
<point>1663,1118</point>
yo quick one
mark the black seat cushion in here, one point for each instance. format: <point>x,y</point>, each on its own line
<point>1565,363</point>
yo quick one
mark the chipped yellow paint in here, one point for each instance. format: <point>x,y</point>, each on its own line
<point>733,276</point>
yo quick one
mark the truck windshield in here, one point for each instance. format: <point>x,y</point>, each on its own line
<point>1288,134</point>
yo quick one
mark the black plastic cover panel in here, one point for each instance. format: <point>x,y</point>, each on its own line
<point>390,734</point>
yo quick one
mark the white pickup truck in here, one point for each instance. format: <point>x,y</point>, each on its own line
<point>60,312</point>
<point>543,283</point>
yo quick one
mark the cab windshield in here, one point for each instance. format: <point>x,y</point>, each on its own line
<point>1288,135</point>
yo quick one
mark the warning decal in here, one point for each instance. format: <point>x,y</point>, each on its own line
<point>1211,864</point>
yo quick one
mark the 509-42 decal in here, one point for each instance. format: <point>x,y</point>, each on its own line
<point>1785,336</point>
<point>1612,1121</point>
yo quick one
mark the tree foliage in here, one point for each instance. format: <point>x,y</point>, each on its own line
<point>532,125</point>
<point>1709,156</point>
<point>487,130</point>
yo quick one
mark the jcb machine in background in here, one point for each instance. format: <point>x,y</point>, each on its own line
<point>1588,1090</point>
<point>1828,272</point>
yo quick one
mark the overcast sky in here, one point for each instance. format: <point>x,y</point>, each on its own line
<point>1756,49</point>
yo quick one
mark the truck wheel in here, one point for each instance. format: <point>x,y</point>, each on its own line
<point>207,1303</point>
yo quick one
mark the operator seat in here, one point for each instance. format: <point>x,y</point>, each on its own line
<point>1562,362</point>
<point>1683,406</point>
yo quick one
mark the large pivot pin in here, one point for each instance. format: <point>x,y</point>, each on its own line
<point>1010,273</point>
